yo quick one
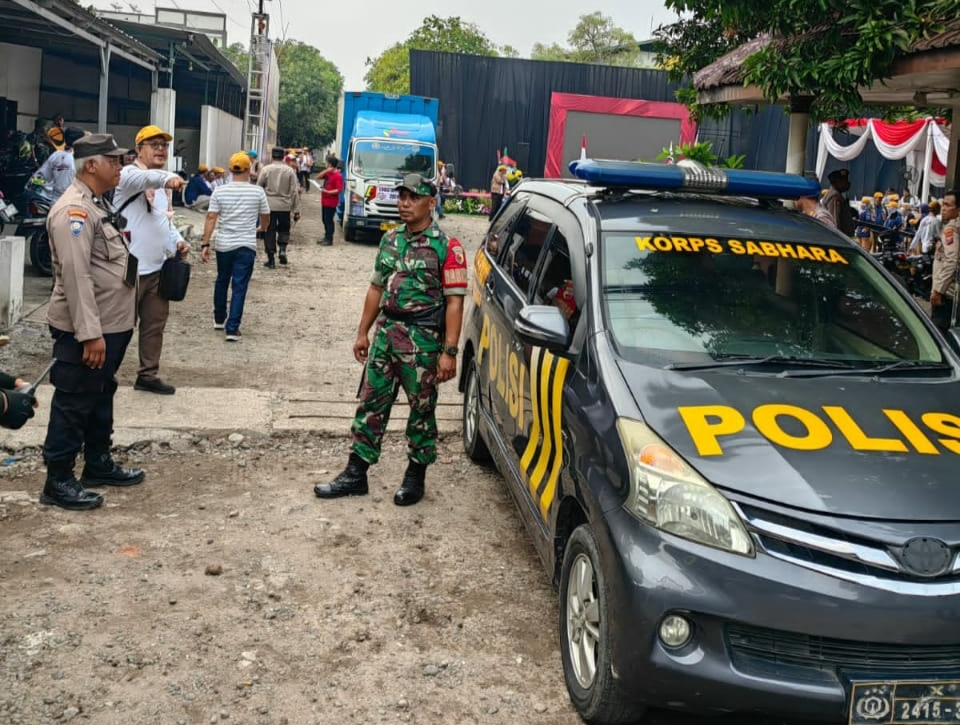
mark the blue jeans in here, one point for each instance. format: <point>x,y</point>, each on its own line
<point>235,265</point>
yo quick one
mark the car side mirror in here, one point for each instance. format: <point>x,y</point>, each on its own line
<point>542,326</point>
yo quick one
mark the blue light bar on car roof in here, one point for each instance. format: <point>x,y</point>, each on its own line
<point>691,176</point>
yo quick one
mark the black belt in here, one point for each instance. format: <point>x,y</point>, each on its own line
<point>432,319</point>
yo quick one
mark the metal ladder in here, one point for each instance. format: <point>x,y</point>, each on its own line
<point>256,81</point>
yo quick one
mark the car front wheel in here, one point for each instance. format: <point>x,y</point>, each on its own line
<point>473,442</point>
<point>585,636</point>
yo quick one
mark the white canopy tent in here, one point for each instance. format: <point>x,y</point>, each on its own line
<point>924,144</point>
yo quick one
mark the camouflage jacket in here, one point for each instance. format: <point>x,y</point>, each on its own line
<point>416,274</point>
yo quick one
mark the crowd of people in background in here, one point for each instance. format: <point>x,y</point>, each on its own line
<point>917,224</point>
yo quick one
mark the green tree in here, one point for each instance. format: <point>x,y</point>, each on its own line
<point>594,39</point>
<point>310,87</point>
<point>389,72</point>
<point>237,54</point>
<point>821,50</point>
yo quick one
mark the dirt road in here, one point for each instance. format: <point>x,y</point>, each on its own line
<point>222,590</point>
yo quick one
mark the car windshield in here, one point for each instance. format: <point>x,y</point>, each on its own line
<point>675,301</point>
<point>394,159</point>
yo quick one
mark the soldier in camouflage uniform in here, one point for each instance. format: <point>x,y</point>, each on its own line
<point>416,299</point>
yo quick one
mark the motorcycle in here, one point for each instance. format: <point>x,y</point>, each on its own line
<point>920,281</point>
<point>32,225</point>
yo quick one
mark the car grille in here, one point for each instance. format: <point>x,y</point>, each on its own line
<point>834,552</point>
<point>823,653</point>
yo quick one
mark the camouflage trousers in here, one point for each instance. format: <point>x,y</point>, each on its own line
<point>400,357</point>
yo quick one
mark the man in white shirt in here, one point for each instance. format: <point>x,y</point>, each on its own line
<point>142,199</point>
<point>928,231</point>
<point>237,210</point>
<point>58,170</point>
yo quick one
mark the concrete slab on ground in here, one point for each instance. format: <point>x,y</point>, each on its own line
<point>148,417</point>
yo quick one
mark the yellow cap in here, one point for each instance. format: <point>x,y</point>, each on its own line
<point>893,205</point>
<point>240,162</point>
<point>866,200</point>
<point>148,132</point>
<point>878,195</point>
<point>894,197</point>
<point>203,168</point>
<point>218,170</point>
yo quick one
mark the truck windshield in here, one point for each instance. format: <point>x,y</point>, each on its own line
<point>392,159</point>
<point>712,299</point>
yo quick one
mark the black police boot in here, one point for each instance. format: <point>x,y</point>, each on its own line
<point>283,254</point>
<point>64,490</point>
<point>411,488</point>
<point>351,482</point>
<point>103,471</point>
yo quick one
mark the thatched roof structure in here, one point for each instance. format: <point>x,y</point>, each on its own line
<point>928,74</point>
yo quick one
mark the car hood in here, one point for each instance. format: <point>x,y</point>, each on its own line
<point>886,448</point>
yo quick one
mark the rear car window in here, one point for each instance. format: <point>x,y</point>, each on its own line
<point>668,299</point>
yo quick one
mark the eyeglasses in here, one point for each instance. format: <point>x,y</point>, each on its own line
<point>157,145</point>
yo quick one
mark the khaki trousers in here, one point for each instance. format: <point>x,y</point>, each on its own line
<point>153,311</point>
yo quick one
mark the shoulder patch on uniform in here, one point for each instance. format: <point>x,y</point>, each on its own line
<point>78,213</point>
<point>458,254</point>
<point>76,226</point>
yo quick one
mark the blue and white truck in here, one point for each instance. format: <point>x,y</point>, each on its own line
<point>381,138</point>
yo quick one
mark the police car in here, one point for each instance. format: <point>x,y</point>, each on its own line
<point>734,440</point>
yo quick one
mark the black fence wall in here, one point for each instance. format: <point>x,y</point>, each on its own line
<point>491,103</point>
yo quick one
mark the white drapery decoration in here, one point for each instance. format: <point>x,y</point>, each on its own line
<point>922,143</point>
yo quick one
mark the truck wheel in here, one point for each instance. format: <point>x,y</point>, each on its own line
<point>40,253</point>
<point>585,636</point>
<point>473,443</point>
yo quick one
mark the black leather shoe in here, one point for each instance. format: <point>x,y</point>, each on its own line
<point>106,472</point>
<point>69,495</point>
<point>352,481</point>
<point>154,385</point>
<point>412,487</point>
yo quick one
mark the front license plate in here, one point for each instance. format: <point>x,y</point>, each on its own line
<point>387,226</point>
<point>905,703</point>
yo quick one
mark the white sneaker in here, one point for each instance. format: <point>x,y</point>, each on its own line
<point>218,325</point>
<point>234,337</point>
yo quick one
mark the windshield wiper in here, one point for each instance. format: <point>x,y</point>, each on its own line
<point>898,366</point>
<point>768,360</point>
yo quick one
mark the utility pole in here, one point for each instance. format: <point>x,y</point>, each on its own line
<point>258,67</point>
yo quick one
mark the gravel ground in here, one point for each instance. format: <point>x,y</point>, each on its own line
<point>222,590</point>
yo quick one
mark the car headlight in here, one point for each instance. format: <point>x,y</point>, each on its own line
<point>666,493</point>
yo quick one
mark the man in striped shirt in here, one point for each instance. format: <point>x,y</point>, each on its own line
<point>238,210</point>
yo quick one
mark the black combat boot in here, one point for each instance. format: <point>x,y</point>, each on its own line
<point>411,488</point>
<point>283,254</point>
<point>64,490</point>
<point>103,471</point>
<point>351,482</point>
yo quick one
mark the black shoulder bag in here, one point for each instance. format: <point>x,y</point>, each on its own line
<point>175,272</point>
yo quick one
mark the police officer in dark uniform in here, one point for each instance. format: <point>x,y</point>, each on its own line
<point>416,299</point>
<point>91,318</point>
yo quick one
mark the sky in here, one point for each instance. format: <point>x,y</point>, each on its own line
<point>347,33</point>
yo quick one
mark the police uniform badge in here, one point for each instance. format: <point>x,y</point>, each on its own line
<point>459,255</point>
<point>77,219</point>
